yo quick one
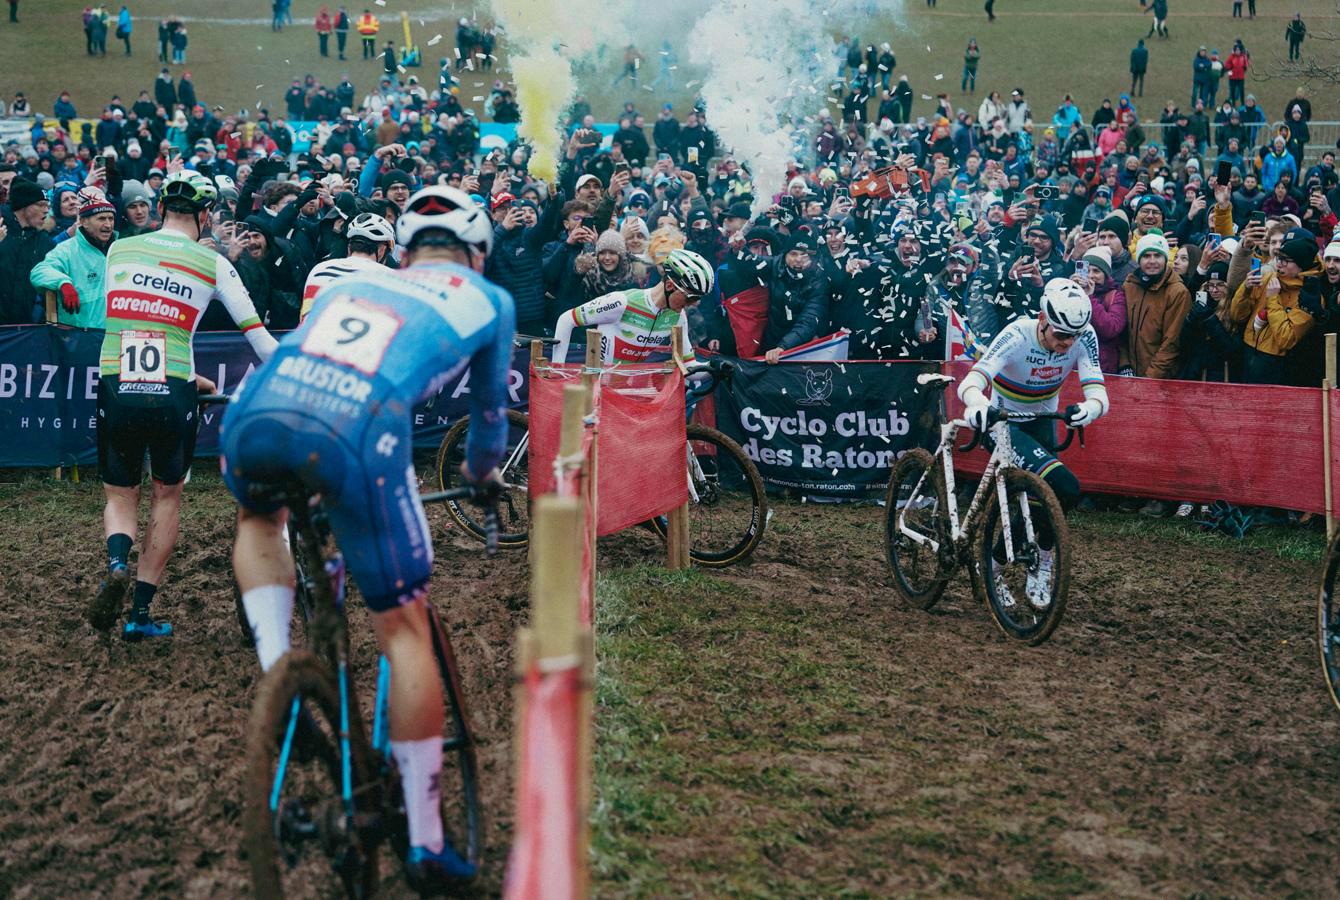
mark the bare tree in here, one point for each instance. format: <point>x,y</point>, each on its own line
<point>1315,67</point>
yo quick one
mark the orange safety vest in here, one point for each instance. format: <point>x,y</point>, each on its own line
<point>368,24</point>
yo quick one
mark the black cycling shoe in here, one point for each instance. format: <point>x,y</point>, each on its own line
<point>105,607</point>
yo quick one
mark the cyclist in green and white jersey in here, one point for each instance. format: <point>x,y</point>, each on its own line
<point>157,287</point>
<point>635,325</point>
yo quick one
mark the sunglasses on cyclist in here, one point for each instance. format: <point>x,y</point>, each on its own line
<point>1062,335</point>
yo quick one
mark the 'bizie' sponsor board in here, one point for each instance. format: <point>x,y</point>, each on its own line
<point>826,428</point>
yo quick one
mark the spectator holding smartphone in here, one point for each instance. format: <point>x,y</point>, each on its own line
<point>1094,274</point>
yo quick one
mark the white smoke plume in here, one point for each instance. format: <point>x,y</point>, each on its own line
<point>769,64</point>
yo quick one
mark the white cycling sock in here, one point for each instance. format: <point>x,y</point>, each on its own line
<point>420,765</point>
<point>269,609</point>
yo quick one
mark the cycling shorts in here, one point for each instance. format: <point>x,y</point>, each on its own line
<point>365,475</point>
<point>1034,446</point>
<point>128,428</point>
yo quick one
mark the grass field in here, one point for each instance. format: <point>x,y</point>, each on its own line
<point>1047,47</point>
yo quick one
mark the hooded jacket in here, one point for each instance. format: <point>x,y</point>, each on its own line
<point>797,304</point>
<point>1286,323</point>
<point>1154,319</point>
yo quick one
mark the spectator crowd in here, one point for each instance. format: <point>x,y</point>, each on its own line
<point>1203,235</point>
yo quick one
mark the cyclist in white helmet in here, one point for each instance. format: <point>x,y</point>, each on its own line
<point>1024,369</point>
<point>332,410</point>
<point>635,325</point>
<point>370,238</point>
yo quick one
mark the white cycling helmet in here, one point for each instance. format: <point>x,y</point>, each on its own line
<point>690,271</point>
<point>1066,305</point>
<point>450,211</point>
<point>371,227</point>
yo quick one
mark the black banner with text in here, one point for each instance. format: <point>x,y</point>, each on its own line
<point>827,428</point>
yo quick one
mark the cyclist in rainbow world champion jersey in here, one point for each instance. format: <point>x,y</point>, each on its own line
<point>332,412</point>
<point>635,325</point>
<point>1025,367</point>
<point>157,288</point>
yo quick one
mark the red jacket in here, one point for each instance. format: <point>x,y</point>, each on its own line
<point>1236,65</point>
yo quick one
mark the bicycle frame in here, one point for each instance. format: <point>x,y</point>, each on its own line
<point>1001,460</point>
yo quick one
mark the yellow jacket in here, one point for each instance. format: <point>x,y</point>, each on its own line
<point>368,24</point>
<point>1286,324</point>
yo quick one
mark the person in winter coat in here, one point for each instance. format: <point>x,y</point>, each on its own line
<point>797,298</point>
<point>1157,303</point>
<point>1139,65</point>
<point>1294,33</point>
<point>1109,308</point>
<point>1235,67</point>
<point>1211,347</point>
<point>75,269</point>
<point>1268,303</point>
<point>1277,161</point>
<point>23,246</point>
<point>517,261</point>
<point>124,25</point>
<point>324,26</point>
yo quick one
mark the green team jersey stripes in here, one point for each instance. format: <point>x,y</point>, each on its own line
<point>158,286</point>
<point>631,328</point>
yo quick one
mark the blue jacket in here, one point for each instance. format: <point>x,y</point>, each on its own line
<point>1274,165</point>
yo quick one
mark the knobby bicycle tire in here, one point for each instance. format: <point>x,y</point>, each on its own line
<point>721,556</point>
<point>462,817</point>
<point>1044,502</point>
<point>1328,622</point>
<point>907,471</point>
<point>300,673</point>
<point>513,508</point>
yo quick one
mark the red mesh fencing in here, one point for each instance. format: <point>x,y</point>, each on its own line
<point>640,441</point>
<point>1254,445</point>
<point>545,858</point>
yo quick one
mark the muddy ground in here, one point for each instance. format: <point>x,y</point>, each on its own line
<point>1177,714</point>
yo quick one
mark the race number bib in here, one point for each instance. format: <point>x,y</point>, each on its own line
<point>144,356</point>
<point>354,333</point>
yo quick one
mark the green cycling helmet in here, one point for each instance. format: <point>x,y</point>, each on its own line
<point>194,188</point>
<point>690,271</point>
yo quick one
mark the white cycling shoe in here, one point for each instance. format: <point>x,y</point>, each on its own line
<point>1003,595</point>
<point>1039,587</point>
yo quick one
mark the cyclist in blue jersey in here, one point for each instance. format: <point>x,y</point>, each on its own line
<point>331,410</point>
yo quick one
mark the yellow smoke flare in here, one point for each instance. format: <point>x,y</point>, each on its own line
<point>543,87</point>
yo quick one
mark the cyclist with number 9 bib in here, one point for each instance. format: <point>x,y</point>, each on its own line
<point>157,288</point>
<point>332,412</point>
<point>1025,367</point>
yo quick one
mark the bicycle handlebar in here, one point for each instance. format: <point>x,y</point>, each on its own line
<point>994,416</point>
<point>207,399</point>
<point>717,370</point>
<point>486,495</point>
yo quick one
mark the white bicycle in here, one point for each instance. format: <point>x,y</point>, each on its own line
<point>1019,563</point>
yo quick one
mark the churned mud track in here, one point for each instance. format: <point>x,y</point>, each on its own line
<point>1172,736</point>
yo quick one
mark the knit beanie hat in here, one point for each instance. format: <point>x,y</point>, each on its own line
<point>1154,241</point>
<point>1118,225</point>
<point>1301,250</point>
<point>611,240</point>
<point>93,201</point>
<point>1332,250</point>
<point>23,194</point>
<point>1046,226</point>
<point>1148,200</point>
<point>1100,258</point>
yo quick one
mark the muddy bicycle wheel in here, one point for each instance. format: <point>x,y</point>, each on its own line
<point>514,504</point>
<point>916,502</point>
<point>462,810</point>
<point>1027,596</point>
<point>1328,623</point>
<point>299,838</point>
<point>729,514</point>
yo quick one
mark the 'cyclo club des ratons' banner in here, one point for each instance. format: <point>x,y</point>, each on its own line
<point>827,428</point>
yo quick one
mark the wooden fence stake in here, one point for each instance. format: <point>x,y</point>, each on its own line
<point>677,524</point>
<point>1326,387</point>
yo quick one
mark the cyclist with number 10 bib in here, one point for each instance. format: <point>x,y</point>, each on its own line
<point>157,288</point>
<point>1025,367</point>
<point>332,412</point>
<point>636,325</point>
